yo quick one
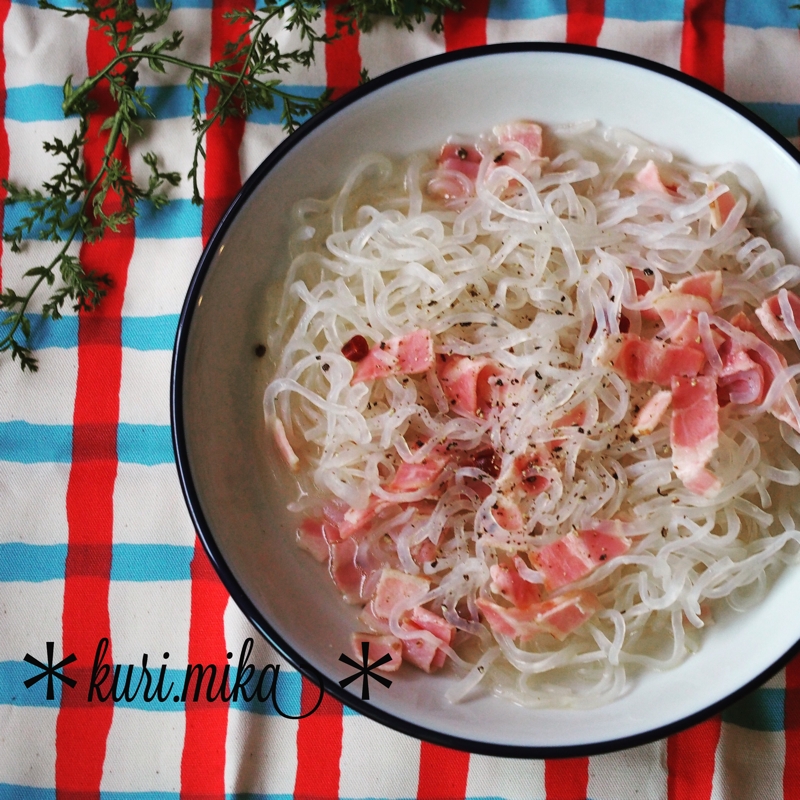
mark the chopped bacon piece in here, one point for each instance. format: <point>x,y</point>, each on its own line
<point>643,286</point>
<point>707,285</point>
<point>427,620</point>
<point>771,316</point>
<point>679,314</point>
<point>404,355</point>
<point>769,360</point>
<point>530,476</point>
<point>508,583</point>
<point>652,411</point>
<point>558,616</point>
<point>379,646</point>
<point>575,417</point>
<point>526,133</point>
<point>575,555</point>
<point>282,443</point>
<point>473,386</point>
<point>412,477</point>
<point>741,379</point>
<point>507,514</point>
<point>461,159</point>
<point>650,360</point>
<point>648,177</point>
<point>356,519</point>
<point>311,537</point>
<point>344,570</point>
<point>721,207</point>
<point>694,432</point>
<point>743,322</point>
<point>396,587</point>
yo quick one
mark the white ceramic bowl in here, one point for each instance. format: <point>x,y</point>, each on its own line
<point>234,482</point>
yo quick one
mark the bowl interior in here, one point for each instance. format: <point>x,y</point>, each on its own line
<point>235,479</point>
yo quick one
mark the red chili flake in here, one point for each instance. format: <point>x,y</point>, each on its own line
<point>624,324</point>
<point>489,461</point>
<point>356,348</point>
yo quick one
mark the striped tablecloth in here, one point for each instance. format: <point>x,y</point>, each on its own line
<point>95,540</point>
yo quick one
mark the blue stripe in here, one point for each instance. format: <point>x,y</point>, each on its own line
<point>37,102</point>
<point>762,710</point>
<point>26,443</point>
<point>150,333</point>
<point>760,14</point>
<point>33,563</point>
<point>273,116</point>
<point>13,691</point>
<point>663,11</point>
<point>138,333</point>
<point>179,219</point>
<point>151,562</point>
<point>526,9</point>
<point>41,102</point>
<point>148,445</point>
<point>13,791</point>
<point>129,562</point>
<point>784,117</point>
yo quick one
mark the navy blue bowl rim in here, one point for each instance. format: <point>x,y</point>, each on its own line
<point>179,435</point>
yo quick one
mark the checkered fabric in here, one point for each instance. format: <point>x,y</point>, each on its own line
<point>95,540</point>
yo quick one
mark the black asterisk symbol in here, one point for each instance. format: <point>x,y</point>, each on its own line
<point>365,669</point>
<point>49,670</point>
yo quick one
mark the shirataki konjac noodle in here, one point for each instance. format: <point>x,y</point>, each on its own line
<point>538,394</point>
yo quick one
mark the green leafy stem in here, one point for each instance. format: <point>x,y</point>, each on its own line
<point>75,205</point>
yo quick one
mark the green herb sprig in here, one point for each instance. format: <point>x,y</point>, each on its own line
<point>72,205</point>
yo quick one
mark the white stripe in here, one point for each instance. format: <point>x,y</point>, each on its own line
<point>158,275</point>
<point>748,765</point>
<point>28,754</point>
<point>46,397</point>
<point>39,45</point>
<point>143,751</point>
<point>139,624</point>
<point>546,29</point>
<point>758,64</point>
<point>149,507</point>
<point>33,504</point>
<point>633,774</point>
<point>506,778</point>
<point>657,40</point>
<point>260,751</point>
<point>258,142</point>
<point>385,47</point>
<point>363,774</point>
<point>144,387</point>
<point>31,616</point>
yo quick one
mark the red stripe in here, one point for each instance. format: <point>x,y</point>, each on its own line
<point>566,779</point>
<point>5,7</point>
<point>82,728</point>
<point>585,21</point>
<point>703,41</point>
<point>203,757</point>
<point>342,57</point>
<point>442,773</point>
<point>791,726</point>
<point>690,761</point>
<point>319,747</point>
<point>466,28</point>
